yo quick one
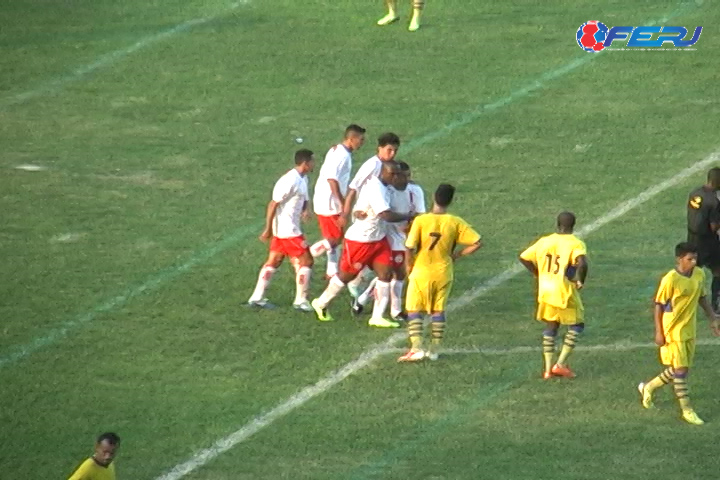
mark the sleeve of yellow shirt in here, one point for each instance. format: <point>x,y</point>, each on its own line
<point>530,253</point>
<point>466,234</point>
<point>82,472</point>
<point>579,250</point>
<point>665,290</point>
<point>413,237</point>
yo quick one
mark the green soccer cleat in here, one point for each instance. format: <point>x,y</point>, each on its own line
<point>645,395</point>
<point>383,323</point>
<point>691,417</point>
<point>322,314</point>
<point>388,19</point>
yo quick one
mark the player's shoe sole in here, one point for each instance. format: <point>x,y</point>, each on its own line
<point>562,371</point>
<point>646,399</point>
<point>322,314</point>
<point>260,304</point>
<point>691,417</point>
<point>383,323</point>
<point>412,356</point>
<point>388,20</point>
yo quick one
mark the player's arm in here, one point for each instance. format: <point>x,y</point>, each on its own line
<point>658,312</point>
<point>305,214</point>
<point>269,216</point>
<point>711,315</point>
<point>581,264</point>
<point>394,217</point>
<point>530,265</point>
<point>335,189</point>
<point>411,244</point>
<point>663,297</point>
<point>527,259</point>
<point>470,249</point>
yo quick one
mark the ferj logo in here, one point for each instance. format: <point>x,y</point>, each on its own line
<point>595,36</point>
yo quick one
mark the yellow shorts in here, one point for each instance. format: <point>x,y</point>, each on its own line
<point>573,314</point>
<point>427,295</point>
<point>678,354</point>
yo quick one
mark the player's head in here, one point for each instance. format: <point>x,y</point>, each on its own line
<point>444,195</point>
<point>402,177</point>
<point>106,447</point>
<point>304,160</point>
<point>713,178</point>
<point>685,256</point>
<point>388,145</point>
<point>354,137</point>
<point>566,222</point>
<point>389,171</point>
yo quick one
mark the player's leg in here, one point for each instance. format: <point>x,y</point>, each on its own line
<point>683,353</point>
<point>397,285</point>
<point>274,260</point>
<point>715,289</point>
<point>665,377</point>
<point>417,6</point>
<point>440,292</point>
<point>561,368</point>
<point>356,286</point>
<point>383,270</point>
<point>415,303</point>
<point>367,294</point>
<point>548,342</point>
<point>351,263</point>
<point>332,235</point>
<point>392,15</point>
<point>303,272</point>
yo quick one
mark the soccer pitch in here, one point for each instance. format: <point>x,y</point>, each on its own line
<point>158,129</point>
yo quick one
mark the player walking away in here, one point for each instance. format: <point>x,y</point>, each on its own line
<point>430,256</point>
<point>703,223</point>
<point>288,206</point>
<point>388,146</point>
<point>392,16</point>
<point>407,198</point>
<point>559,261</point>
<point>681,290</point>
<point>366,244</point>
<point>329,197</point>
<point>99,466</point>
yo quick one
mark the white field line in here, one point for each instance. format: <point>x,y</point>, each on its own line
<point>112,57</point>
<point>224,444</point>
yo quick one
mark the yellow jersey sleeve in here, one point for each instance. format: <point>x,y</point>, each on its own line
<point>413,237</point>
<point>578,250</point>
<point>84,471</point>
<point>530,253</point>
<point>665,290</point>
<point>466,235</point>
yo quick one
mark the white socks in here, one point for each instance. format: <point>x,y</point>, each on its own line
<point>334,287</point>
<point>266,273</point>
<point>396,288</point>
<point>302,283</point>
<point>382,297</point>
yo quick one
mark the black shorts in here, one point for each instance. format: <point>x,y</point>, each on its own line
<point>708,250</point>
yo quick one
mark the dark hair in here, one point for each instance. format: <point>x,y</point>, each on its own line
<point>566,220</point>
<point>354,129</point>
<point>388,139</point>
<point>110,437</point>
<point>303,156</point>
<point>444,194</point>
<point>713,176</point>
<point>683,248</point>
<point>404,167</point>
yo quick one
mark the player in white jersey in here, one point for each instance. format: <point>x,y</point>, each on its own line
<point>329,197</point>
<point>388,145</point>
<point>366,244</point>
<point>288,207</point>
<point>407,198</point>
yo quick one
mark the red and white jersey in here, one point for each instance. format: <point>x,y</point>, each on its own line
<point>405,201</point>
<point>337,166</point>
<point>374,199</point>
<point>371,168</point>
<point>291,193</point>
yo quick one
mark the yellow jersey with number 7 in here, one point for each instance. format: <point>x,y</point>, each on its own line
<point>434,236</point>
<point>556,259</point>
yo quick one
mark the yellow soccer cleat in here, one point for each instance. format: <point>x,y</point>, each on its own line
<point>645,395</point>
<point>388,19</point>
<point>382,323</point>
<point>322,314</point>
<point>691,417</point>
<point>414,24</point>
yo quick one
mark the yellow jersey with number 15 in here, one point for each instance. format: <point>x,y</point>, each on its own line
<point>434,236</point>
<point>556,259</point>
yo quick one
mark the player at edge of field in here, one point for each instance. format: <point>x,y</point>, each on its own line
<point>407,198</point>
<point>703,225</point>
<point>366,244</point>
<point>559,261</point>
<point>430,255</point>
<point>100,466</point>
<point>284,213</point>
<point>329,196</point>
<point>388,145</point>
<point>392,16</point>
<point>680,292</point>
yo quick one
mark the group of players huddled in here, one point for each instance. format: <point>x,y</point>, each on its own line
<point>380,220</point>
<point>388,233</point>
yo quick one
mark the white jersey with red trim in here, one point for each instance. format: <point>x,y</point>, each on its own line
<point>410,200</point>
<point>336,166</point>
<point>374,198</point>
<point>290,193</point>
<point>371,168</point>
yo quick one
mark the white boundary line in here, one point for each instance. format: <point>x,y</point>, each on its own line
<point>297,400</point>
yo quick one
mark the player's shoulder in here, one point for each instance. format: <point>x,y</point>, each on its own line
<point>338,152</point>
<point>415,188</point>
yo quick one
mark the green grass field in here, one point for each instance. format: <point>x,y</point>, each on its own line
<point>161,127</point>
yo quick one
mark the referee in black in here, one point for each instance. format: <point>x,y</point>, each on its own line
<point>703,223</point>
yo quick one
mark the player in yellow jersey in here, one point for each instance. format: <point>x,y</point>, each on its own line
<point>392,16</point>
<point>559,261</point>
<point>99,466</point>
<point>429,260</point>
<point>680,292</point>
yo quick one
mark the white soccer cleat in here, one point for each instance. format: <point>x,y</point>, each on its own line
<point>412,356</point>
<point>432,356</point>
<point>262,303</point>
<point>303,306</point>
